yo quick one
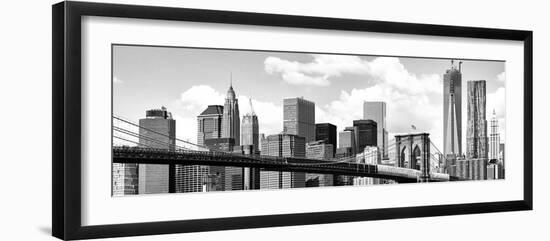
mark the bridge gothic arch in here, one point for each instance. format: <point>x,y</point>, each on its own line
<point>414,153</point>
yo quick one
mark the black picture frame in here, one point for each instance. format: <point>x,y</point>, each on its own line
<point>66,127</point>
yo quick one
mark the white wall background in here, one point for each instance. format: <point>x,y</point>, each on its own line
<point>25,138</point>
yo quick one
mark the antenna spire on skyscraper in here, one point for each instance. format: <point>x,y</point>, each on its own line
<point>251,107</point>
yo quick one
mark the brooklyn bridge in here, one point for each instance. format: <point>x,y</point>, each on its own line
<point>412,147</point>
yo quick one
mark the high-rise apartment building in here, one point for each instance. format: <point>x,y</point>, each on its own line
<point>452,110</point>
<point>157,130</point>
<point>231,122</point>
<point>376,110</point>
<point>326,132</point>
<point>476,136</point>
<point>365,134</point>
<point>299,118</point>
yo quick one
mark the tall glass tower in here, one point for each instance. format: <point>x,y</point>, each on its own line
<point>452,110</point>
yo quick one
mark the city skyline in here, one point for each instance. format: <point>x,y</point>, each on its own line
<point>340,106</point>
<point>414,112</point>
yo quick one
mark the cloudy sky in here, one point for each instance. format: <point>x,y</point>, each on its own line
<point>186,80</point>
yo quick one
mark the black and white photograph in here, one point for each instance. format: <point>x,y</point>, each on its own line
<point>195,119</point>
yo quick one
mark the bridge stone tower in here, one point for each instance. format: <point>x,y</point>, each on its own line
<point>413,151</point>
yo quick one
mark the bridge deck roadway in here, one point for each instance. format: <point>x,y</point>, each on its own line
<point>291,164</point>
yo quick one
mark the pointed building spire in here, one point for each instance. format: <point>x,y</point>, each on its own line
<point>231,79</point>
<point>251,107</point>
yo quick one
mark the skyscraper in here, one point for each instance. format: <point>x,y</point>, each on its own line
<point>494,139</point>
<point>251,175</point>
<point>209,124</point>
<point>193,178</point>
<point>376,110</point>
<point>347,139</point>
<point>299,118</point>
<point>476,136</point>
<point>231,122</point>
<point>158,131</point>
<point>283,145</point>
<point>370,155</point>
<point>215,177</point>
<point>125,179</point>
<point>502,161</point>
<point>365,134</point>
<point>250,130</point>
<point>326,132</point>
<point>346,149</point>
<point>452,110</point>
<point>320,150</point>
<point>261,142</point>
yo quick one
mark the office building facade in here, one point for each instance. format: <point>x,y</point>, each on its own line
<point>365,134</point>
<point>158,130</point>
<point>299,118</point>
<point>283,145</point>
<point>346,139</point>
<point>323,151</point>
<point>209,124</point>
<point>214,178</point>
<point>376,110</point>
<point>326,132</point>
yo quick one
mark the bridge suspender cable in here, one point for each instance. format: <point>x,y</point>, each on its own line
<point>162,134</point>
<point>124,139</point>
<point>150,139</point>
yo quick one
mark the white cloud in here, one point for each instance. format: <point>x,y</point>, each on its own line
<point>198,97</point>
<point>387,70</point>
